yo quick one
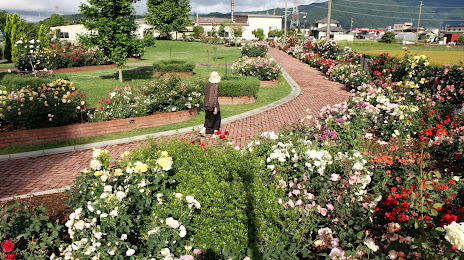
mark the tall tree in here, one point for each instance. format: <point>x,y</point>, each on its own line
<point>16,34</point>
<point>112,28</point>
<point>44,39</point>
<point>168,16</point>
<point>7,37</point>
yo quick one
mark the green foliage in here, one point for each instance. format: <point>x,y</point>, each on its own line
<point>239,87</point>
<point>113,28</point>
<point>222,30</point>
<point>54,104</point>
<point>148,38</point>
<point>389,37</point>
<point>17,33</point>
<point>237,30</point>
<point>54,20</point>
<point>173,66</point>
<point>275,33</point>
<point>44,39</point>
<point>7,38</point>
<point>258,33</point>
<point>461,39</point>
<point>168,16</point>
<point>254,50</point>
<point>33,236</point>
<point>198,31</point>
<point>14,82</point>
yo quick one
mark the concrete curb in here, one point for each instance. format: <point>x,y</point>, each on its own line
<point>295,92</point>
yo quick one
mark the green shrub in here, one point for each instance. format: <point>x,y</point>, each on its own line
<point>54,104</point>
<point>173,66</point>
<point>239,87</point>
<point>13,82</point>
<point>258,33</point>
<point>254,50</point>
<point>388,37</point>
<point>28,231</point>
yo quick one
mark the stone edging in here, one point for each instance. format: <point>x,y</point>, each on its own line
<point>52,134</point>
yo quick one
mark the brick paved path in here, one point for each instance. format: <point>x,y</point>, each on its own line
<point>30,175</point>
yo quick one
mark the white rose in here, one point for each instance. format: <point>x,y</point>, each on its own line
<point>98,235</point>
<point>114,213</point>
<point>190,199</point>
<point>96,153</point>
<point>108,188</point>
<point>123,237</point>
<point>79,225</point>
<point>455,235</point>
<point>178,195</point>
<point>103,215</point>
<point>370,243</point>
<point>95,164</point>
<point>130,252</point>
<point>183,231</point>
<point>120,195</point>
<point>172,222</point>
<point>165,252</point>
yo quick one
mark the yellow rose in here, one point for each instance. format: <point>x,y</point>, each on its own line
<point>98,173</point>
<point>117,172</point>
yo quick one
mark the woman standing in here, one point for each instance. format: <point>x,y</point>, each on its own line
<point>211,104</point>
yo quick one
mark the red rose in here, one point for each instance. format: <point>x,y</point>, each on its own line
<point>218,132</point>
<point>222,136</point>
<point>452,182</point>
<point>226,132</point>
<point>11,255</point>
<point>7,246</point>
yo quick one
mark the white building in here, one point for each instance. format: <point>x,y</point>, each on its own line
<point>249,22</point>
<point>319,28</point>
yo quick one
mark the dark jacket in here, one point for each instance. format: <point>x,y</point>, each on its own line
<point>211,96</point>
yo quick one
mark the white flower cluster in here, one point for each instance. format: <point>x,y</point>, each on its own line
<point>455,235</point>
<point>319,160</point>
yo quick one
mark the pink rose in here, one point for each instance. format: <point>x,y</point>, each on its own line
<point>322,210</point>
<point>335,177</point>
<point>197,251</point>
<point>330,206</point>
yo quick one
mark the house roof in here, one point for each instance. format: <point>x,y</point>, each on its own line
<point>325,20</point>
<point>332,29</point>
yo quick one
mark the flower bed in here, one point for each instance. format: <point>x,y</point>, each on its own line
<point>53,134</point>
<point>261,68</point>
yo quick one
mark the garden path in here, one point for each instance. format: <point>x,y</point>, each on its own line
<point>37,175</point>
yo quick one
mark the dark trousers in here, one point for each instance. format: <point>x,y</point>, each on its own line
<point>212,122</point>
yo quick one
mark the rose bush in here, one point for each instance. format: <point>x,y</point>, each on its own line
<point>261,68</point>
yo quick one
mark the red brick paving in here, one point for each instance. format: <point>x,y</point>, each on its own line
<point>23,176</point>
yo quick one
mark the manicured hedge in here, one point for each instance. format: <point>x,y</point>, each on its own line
<point>239,87</point>
<point>173,66</point>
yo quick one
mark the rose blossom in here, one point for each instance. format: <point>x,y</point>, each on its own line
<point>370,243</point>
<point>8,246</point>
<point>130,252</point>
<point>197,251</point>
<point>455,235</point>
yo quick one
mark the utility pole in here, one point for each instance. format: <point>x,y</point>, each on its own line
<point>418,22</point>
<point>285,21</point>
<point>351,27</point>
<point>232,10</point>
<point>329,13</point>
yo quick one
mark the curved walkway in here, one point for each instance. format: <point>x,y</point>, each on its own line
<point>57,168</point>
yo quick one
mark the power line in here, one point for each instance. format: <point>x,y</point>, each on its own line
<point>392,11</point>
<point>450,20</point>
<point>411,6</point>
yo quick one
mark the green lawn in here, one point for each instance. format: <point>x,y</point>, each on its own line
<point>437,54</point>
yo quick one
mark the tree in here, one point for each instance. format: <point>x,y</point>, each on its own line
<point>43,37</point>
<point>222,30</point>
<point>54,20</point>
<point>7,37</point>
<point>237,30</point>
<point>258,33</point>
<point>461,39</point>
<point>388,37</point>
<point>3,15</point>
<point>13,32</point>
<point>168,16</point>
<point>112,26</point>
<point>197,31</point>
<point>275,33</point>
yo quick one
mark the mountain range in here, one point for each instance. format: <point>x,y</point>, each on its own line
<point>379,14</point>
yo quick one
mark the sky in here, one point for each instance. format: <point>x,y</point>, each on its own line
<point>37,10</point>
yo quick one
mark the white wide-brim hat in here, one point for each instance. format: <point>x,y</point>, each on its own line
<point>214,77</point>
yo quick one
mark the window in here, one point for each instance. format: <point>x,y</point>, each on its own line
<point>64,35</point>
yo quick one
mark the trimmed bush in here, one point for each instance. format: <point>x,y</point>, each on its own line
<point>173,66</point>
<point>239,87</point>
<point>13,82</point>
<point>254,50</point>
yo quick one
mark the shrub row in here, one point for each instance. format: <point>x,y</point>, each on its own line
<point>173,66</point>
<point>254,50</point>
<point>239,87</point>
<point>13,82</point>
